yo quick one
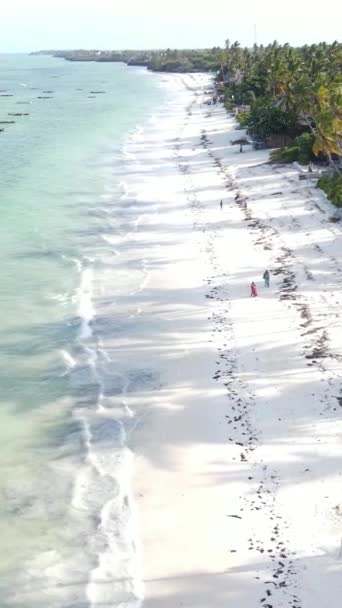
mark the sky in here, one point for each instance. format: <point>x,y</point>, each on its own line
<point>28,25</point>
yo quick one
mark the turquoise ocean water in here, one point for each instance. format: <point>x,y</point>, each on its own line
<point>62,176</point>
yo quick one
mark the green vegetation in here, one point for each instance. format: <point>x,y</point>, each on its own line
<point>207,60</point>
<point>267,119</point>
<point>196,60</point>
<point>289,91</point>
<point>300,151</point>
<point>243,119</point>
<point>332,186</point>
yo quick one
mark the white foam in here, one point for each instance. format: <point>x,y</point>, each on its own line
<point>68,360</point>
<point>75,261</point>
<point>103,488</point>
<point>86,309</point>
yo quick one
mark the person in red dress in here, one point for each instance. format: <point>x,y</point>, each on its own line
<point>254,291</point>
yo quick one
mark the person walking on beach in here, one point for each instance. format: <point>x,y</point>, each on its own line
<point>221,203</point>
<point>254,291</point>
<point>266,277</point>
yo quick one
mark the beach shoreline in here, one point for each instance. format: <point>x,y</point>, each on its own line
<point>244,423</point>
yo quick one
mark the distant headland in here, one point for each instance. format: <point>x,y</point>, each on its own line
<point>179,61</point>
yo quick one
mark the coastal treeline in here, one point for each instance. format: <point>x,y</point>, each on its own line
<point>290,91</point>
<point>168,60</point>
<point>206,60</point>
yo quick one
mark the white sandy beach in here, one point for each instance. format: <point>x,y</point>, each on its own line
<point>238,458</point>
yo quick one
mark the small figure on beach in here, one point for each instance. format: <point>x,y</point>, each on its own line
<point>254,291</point>
<point>266,277</point>
<point>221,203</point>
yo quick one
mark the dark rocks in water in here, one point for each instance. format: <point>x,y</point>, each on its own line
<point>43,97</point>
<point>6,95</point>
<point>18,114</point>
<point>23,103</point>
<point>97,92</point>
<point>7,122</point>
<point>48,92</point>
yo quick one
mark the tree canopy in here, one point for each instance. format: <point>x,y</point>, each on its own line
<point>290,90</point>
